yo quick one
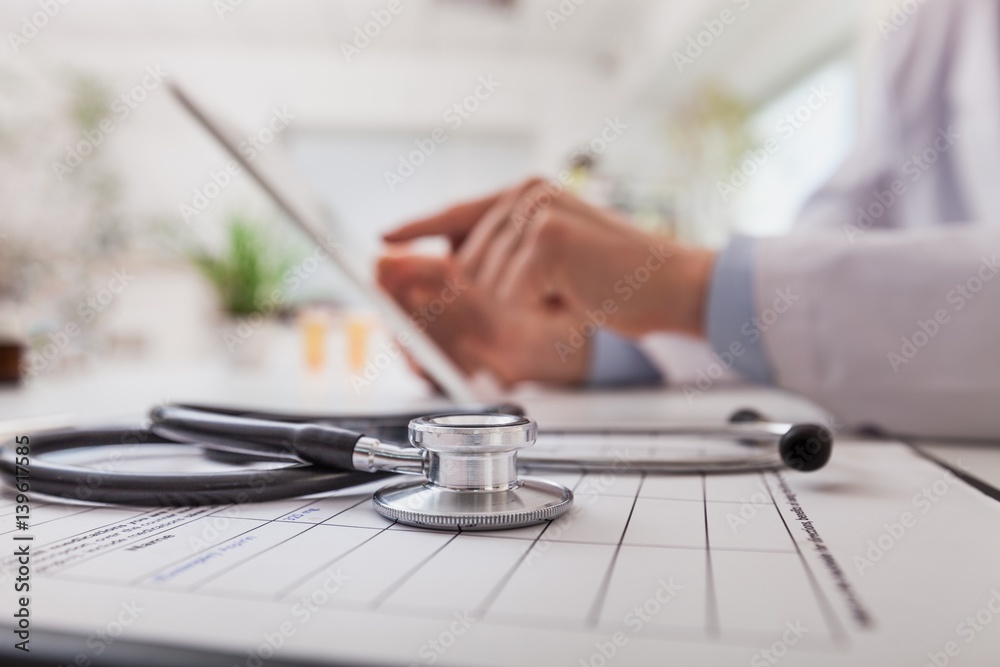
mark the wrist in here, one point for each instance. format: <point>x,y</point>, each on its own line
<point>692,283</point>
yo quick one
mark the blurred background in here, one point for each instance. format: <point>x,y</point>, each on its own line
<point>127,238</point>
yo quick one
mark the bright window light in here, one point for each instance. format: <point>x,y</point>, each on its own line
<point>812,126</point>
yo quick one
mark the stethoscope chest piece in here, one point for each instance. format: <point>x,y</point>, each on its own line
<point>471,477</point>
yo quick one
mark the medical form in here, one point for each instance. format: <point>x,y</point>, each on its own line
<point>882,558</point>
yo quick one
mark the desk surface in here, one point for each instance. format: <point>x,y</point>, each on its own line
<point>125,393</point>
<point>731,618</point>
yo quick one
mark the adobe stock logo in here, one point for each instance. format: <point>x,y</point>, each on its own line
<point>755,158</point>
<point>455,116</point>
<point>33,24</point>
<point>703,40</point>
<point>913,170</point>
<point>249,148</point>
<point>626,288</point>
<point>371,29</point>
<point>958,298</point>
<point>898,17</point>
<point>565,9</point>
<point>120,109</point>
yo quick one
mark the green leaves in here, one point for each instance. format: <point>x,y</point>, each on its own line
<point>248,270</point>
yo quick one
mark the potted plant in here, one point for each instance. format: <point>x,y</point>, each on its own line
<point>247,275</point>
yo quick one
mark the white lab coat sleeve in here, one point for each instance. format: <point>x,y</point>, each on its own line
<point>898,329</point>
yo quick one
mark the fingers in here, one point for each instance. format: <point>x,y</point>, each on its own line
<point>438,300</point>
<point>398,273</point>
<point>480,240</point>
<point>497,260</point>
<point>455,222</point>
<point>511,341</point>
<point>533,271</point>
<point>492,231</point>
<point>487,255</point>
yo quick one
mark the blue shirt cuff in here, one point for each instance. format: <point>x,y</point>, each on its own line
<point>617,361</point>
<point>731,312</point>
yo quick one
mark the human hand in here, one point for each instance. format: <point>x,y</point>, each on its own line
<point>512,342</point>
<point>540,249</point>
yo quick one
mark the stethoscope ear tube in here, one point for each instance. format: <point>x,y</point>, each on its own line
<point>480,459</point>
<point>768,445</point>
<point>161,489</point>
<point>385,426</point>
<point>806,447</point>
<point>329,446</point>
<point>802,447</point>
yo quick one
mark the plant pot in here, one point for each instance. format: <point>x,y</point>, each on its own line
<point>11,354</point>
<point>248,339</point>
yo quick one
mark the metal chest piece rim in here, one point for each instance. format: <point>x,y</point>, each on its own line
<point>470,463</point>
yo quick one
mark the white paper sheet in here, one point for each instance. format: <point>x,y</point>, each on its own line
<point>881,558</point>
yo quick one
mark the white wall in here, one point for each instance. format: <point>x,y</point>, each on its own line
<point>608,59</point>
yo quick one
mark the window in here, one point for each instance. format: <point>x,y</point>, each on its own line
<point>813,126</point>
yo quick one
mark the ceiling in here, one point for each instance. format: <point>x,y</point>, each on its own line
<point>631,39</point>
<point>454,25</point>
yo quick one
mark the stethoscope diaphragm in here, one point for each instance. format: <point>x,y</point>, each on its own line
<point>472,481</point>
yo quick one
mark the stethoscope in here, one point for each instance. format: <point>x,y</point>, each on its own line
<point>467,461</point>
